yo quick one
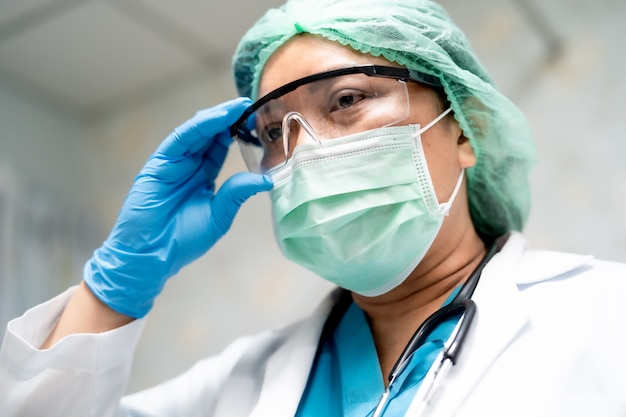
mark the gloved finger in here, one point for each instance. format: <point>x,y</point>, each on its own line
<point>182,175</point>
<point>197,132</point>
<point>216,154</point>
<point>232,194</point>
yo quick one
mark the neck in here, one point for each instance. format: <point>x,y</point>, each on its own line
<point>394,316</point>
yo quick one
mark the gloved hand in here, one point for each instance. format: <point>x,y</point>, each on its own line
<point>172,214</point>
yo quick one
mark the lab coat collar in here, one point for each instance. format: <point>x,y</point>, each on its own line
<point>535,266</point>
<point>501,314</point>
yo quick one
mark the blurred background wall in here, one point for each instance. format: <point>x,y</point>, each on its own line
<point>88,89</point>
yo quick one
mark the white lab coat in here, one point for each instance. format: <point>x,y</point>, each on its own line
<point>549,339</point>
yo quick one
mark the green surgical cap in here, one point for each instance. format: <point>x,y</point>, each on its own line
<point>419,35</point>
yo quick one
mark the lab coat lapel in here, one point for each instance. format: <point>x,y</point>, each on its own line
<point>500,317</point>
<point>288,369</point>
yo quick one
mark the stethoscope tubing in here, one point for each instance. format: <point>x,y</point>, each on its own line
<point>461,305</point>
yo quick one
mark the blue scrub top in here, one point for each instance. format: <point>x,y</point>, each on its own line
<point>346,379</point>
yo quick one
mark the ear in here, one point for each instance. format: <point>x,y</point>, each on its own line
<point>465,152</point>
<point>466,155</point>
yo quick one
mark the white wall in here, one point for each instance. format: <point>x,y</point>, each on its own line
<point>75,175</point>
<point>574,103</point>
<point>46,226</point>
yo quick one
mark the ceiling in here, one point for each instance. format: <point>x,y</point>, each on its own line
<point>82,54</point>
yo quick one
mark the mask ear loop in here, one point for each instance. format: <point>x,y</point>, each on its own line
<point>434,122</point>
<point>445,207</point>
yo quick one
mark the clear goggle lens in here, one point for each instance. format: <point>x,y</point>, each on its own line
<point>322,109</point>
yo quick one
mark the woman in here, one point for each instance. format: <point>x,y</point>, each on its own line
<point>396,171</point>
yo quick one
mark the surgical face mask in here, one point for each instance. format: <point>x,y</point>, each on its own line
<point>361,210</point>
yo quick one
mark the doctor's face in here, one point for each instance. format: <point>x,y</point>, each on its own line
<point>446,149</point>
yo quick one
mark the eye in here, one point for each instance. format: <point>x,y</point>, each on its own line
<point>347,99</point>
<point>272,133</point>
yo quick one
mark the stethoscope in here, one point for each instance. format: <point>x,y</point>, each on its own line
<point>462,306</point>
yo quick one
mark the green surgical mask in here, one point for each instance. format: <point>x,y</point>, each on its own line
<point>360,211</point>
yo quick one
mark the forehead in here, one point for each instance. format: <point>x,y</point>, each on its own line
<point>306,55</point>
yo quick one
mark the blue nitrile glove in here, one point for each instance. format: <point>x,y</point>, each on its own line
<point>172,214</point>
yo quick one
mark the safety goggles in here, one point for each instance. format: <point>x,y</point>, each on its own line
<point>323,107</point>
